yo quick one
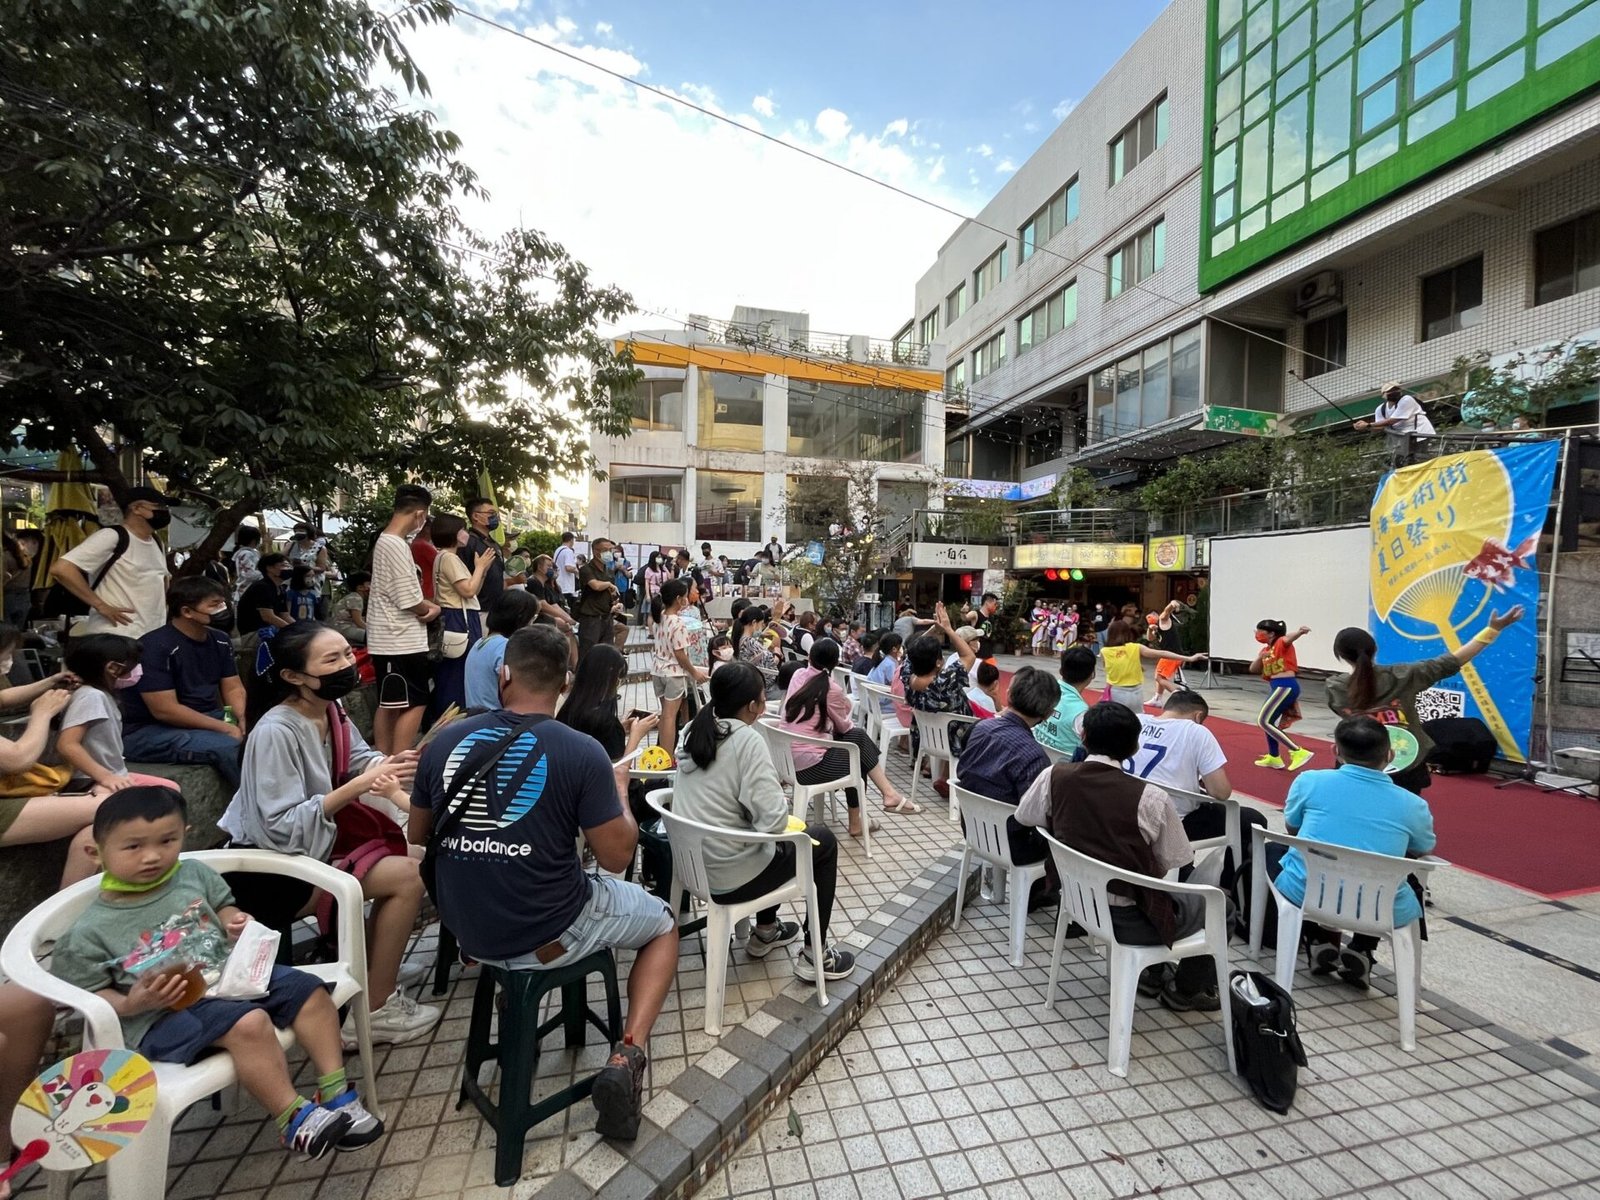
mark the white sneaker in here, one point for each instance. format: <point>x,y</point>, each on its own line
<point>412,973</point>
<point>401,1019</point>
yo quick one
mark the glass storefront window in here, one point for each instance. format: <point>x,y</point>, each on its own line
<point>645,499</point>
<point>727,506</point>
<point>1144,389</point>
<point>658,404</point>
<point>731,411</point>
<point>848,421</point>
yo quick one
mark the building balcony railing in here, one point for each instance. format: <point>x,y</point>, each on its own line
<point>1081,525</point>
<point>774,338</point>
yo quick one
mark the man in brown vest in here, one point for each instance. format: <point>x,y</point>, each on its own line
<point>1098,809</point>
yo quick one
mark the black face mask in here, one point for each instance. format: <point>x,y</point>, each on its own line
<point>221,620</point>
<point>160,519</point>
<point>336,685</point>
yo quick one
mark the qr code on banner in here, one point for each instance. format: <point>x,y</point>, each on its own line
<point>1437,702</point>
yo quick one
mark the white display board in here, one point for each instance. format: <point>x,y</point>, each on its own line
<point>1317,578</point>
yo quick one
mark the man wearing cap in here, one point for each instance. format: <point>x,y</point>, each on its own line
<point>1401,418</point>
<point>121,574</point>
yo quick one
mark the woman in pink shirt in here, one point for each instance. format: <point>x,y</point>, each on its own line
<point>816,708</point>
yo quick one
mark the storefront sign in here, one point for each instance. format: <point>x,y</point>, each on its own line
<point>1087,556</point>
<point>1170,554</point>
<point>946,556</point>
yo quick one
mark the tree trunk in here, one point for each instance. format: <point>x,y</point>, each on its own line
<point>223,522</point>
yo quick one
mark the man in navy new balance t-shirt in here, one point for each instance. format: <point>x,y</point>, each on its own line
<point>508,880</point>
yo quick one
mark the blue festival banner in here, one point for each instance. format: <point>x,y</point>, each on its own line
<point>1454,539</point>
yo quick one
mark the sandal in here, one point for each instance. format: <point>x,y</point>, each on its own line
<point>904,807</point>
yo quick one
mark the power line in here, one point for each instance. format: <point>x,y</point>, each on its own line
<point>1080,263</point>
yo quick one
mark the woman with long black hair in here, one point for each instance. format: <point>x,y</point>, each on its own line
<point>725,778</point>
<point>815,707</point>
<point>591,707</point>
<point>304,770</point>
<point>1389,691</point>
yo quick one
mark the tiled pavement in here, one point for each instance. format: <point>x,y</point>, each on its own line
<point>954,1084</point>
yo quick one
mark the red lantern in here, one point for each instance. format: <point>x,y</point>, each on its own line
<point>1050,574</point>
<point>966,583</point>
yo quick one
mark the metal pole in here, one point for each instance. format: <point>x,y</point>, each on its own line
<point>1550,599</point>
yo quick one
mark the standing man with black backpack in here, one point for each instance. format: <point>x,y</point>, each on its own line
<point>120,573</point>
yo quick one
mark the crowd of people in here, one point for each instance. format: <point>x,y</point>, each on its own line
<point>518,676</point>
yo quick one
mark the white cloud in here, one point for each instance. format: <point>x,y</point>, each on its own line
<point>833,125</point>
<point>897,128</point>
<point>626,180</point>
<point>1061,111</point>
<point>566,25</point>
<point>983,150</point>
<point>1004,167</point>
<point>602,28</point>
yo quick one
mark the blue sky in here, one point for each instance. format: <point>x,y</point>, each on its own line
<point>693,215</point>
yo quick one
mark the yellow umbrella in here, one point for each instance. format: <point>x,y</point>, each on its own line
<point>70,516</point>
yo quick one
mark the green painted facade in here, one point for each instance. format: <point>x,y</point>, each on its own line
<point>1320,108</point>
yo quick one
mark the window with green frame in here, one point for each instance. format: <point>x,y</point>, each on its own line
<point>1047,318</point>
<point>1309,95</point>
<point>1053,216</point>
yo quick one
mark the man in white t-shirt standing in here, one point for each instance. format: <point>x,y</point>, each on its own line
<point>126,593</point>
<point>1399,414</point>
<point>567,570</point>
<point>1176,750</point>
<point>397,618</point>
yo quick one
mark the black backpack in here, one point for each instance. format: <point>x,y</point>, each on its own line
<point>1266,1045</point>
<point>58,602</point>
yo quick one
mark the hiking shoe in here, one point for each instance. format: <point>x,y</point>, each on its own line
<point>364,1127</point>
<point>1270,760</point>
<point>1299,758</point>
<point>1205,1000</point>
<point>759,944</point>
<point>1153,979</point>
<point>1355,966</point>
<point>836,964</point>
<point>315,1130</point>
<point>401,1019</point>
<point>1324,959</point>
<point>619,1094</point>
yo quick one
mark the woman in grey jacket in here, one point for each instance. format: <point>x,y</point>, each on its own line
<point>725,778</point>
<point>288,799</point>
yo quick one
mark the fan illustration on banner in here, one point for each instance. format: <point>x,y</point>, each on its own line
<point>82,1110</point>
<point>1452,540</point>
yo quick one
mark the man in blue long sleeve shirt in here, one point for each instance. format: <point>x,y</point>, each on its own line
<point>1361,807</point>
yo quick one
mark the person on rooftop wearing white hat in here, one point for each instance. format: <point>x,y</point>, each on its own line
<point>1399,414</point>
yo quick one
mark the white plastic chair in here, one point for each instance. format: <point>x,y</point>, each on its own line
<point>1084,900</point>
<point>1232,836</point>
<point>1348,890</point>
<point>139,1172</point>
<point>687,839</point>
<point>988,842</point>
<point>933,743</point>
<point>781,743</point>
<point>883,728</point>
<point>1058,758</point>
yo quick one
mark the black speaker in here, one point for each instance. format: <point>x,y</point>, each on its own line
<point>1461,745</point>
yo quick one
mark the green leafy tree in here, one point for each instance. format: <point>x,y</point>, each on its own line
<point>853,559</point>
<point>225,250</point>
<point>1529,384</point>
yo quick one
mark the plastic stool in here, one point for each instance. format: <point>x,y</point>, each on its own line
<point>517,1050</point>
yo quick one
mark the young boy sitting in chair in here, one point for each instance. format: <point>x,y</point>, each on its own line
<point>151,903</point>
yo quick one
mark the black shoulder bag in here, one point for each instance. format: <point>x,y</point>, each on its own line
<point>59,602</point>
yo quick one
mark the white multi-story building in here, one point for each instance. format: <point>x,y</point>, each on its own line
<point>733,416</point>
<point>1263,215</point>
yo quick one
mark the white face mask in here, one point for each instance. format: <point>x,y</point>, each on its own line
<point>723,654</point>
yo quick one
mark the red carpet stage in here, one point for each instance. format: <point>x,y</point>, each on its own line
<point>1520,835</point>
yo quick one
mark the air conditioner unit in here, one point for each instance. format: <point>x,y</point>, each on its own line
<point>1321,287</point>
